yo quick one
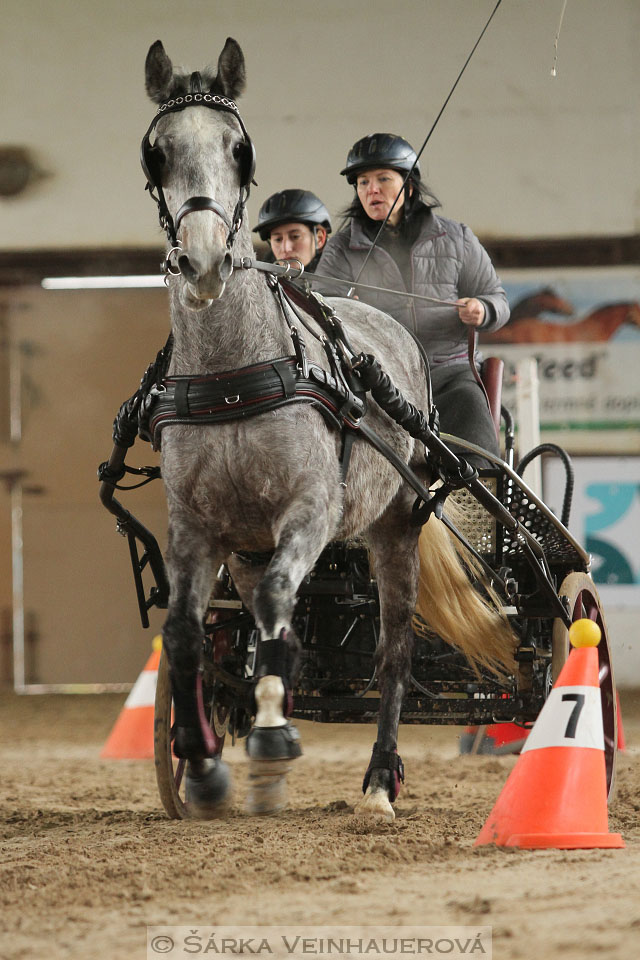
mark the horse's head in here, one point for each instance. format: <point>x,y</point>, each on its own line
<point>543,301</point>
<point>200,164</point>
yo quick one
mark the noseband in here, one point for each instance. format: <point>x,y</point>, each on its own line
<point>148,160</point>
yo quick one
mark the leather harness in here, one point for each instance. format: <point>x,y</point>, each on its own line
<point>262,387</point>
<point>249,391</point>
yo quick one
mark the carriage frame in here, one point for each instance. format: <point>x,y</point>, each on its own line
<point>538,566</point>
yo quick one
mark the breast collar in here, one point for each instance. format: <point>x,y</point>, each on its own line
<point>208,399</point>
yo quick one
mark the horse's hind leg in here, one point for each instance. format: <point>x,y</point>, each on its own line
<point>273,741</point>
<point>189,567</point>
<point>394,543</point>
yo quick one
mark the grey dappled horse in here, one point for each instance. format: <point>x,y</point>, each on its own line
<point>273,482</point>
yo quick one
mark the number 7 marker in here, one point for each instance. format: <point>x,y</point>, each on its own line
<point>556,795</point>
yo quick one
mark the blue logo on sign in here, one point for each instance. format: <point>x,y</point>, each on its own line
<point>612,563</point>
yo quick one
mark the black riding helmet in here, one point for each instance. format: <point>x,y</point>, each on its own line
<point>380,150</point>
<point>291,206</point>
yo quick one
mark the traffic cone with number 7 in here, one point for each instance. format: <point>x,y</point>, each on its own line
<point>556,795</point>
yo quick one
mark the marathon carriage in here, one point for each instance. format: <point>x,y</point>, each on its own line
<point>546,588</point>
<point>351,613</point>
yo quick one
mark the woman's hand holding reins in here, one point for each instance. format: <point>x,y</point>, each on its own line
<point>471,311</point>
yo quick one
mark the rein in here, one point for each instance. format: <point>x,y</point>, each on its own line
<point>398,293</point>
<point>196,98</point>
<point>278,269</point>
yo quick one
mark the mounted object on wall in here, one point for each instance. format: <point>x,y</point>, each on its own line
<point>19,170</point>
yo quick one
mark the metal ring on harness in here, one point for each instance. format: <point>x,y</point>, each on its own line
<point>167,265</point>
<point>288,265</point>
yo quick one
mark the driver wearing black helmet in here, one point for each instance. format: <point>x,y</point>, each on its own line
<point>422,253</point>
<point>296,224</point>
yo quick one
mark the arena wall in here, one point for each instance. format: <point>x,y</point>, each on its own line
<point>518,154</point>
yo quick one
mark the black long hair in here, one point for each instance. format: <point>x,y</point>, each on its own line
<point>421,198</point>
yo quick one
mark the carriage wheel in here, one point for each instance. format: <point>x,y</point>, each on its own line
<point>169,769</point>
<point>580,591</point>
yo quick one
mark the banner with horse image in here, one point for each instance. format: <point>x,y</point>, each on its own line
<point>605,517</point>
<point>583,327</point>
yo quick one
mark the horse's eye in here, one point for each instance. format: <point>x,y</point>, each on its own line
<point>238,150</point>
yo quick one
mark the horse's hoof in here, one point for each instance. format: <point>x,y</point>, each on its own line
<point>274,743</point>
<point>271,750</point>
<point>207,788</point>
<point>375,806</point>
<point>267,787</point>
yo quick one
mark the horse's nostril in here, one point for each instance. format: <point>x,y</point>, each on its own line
<point>226,267</point>
<point>186,268</point>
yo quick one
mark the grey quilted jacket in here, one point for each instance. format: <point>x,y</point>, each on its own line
<point>447,262</point>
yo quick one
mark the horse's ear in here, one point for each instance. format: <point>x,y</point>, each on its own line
<point>231,77</point>
<point>158,73</point>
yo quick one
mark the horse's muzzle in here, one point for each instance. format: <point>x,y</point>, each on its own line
<point>205,283</point>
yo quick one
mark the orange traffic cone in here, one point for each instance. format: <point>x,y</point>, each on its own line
<point>132,734</point>
<point>495,739</point>
<point>556,795</point>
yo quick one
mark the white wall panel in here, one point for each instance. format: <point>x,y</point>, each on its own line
<point>517,153</point>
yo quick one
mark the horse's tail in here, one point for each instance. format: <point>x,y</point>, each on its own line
<point>454,609</point>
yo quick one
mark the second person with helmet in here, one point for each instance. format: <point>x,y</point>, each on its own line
<point>296,224</point>
<point>423,253</point>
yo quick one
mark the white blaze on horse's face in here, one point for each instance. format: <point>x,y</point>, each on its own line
<point>198,146</point>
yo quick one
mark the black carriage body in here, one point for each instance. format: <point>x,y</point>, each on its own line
<point>337,621</point>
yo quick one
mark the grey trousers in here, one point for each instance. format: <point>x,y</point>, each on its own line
<point>463,410</point>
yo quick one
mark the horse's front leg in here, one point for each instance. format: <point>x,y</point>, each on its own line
<point>274,741</point>
<point>395,547</point>
<point>189,566</point>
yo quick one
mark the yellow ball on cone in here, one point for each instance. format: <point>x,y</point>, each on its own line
<point>584,633</point>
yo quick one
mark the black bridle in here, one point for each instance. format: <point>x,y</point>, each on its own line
<point>149,159</point>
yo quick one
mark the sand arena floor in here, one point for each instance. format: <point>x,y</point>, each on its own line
<point>89,858</point>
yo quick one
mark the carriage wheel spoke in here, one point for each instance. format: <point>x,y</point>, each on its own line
<point>179,772</point>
